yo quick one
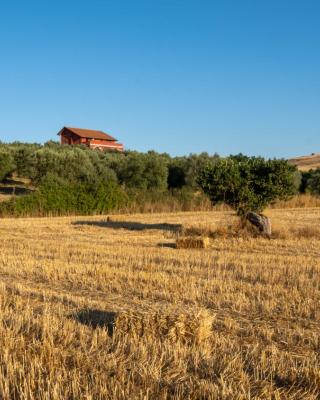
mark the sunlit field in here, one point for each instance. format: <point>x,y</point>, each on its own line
<point>108,308</point>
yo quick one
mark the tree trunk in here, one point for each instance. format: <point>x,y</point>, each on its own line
<point>262,222</point>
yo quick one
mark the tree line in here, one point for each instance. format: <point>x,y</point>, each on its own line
<point>75,179</point>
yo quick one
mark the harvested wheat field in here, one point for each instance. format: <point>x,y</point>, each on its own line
<point>97,308</point>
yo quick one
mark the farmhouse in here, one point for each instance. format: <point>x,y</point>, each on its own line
<point>90,138</point>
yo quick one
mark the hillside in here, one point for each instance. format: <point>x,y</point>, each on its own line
<point>305,163</point>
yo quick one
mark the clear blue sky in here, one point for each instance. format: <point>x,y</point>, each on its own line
<point>176,76</point>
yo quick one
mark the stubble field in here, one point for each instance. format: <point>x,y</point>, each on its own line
<point>97,308</point>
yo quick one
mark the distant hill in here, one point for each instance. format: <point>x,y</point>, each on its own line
<point>305,163</point>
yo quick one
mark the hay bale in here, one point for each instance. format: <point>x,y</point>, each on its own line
<point>191,242</point>
<point>191,327</point>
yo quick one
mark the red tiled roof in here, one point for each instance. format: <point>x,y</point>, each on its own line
<point>89,133</point>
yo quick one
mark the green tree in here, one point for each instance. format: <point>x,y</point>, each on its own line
<point>7,165</point>
<point>248,185</point>
<point>176,175</point>
<point>146,171</point>
<point>24,157</point>
<point>195,163</point>
<point>183,171</point>
<point>312,181</point>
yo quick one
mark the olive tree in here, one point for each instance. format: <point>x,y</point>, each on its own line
<point>248,185</point>
<point>146,171</point>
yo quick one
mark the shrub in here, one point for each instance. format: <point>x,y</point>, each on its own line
<point>313,182</point>
<point>6,163</point>
<point>177,172</point>
<point>58,196</point>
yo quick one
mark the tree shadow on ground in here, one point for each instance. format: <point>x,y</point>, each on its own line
<point>131,225</point>
<point>96,319</point>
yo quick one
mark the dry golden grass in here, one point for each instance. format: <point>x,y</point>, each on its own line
<point>191,242</point>
<point>230,228</point>
<point>299,201</point>
<point>238,229</point>
<point>5,197</point>
<point>305,163</point>
<point>92,308</point>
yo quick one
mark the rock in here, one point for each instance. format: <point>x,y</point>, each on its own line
<point>262,222</point>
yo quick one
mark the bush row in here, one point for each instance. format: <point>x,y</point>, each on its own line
<point>77,180</point>
<point>146,171</point>
<point>57,196</point>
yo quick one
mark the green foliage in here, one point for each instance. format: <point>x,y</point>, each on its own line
<point>177,172</point>
<point>24,158</point>
<point>75,179</point>
<point>297,180</point>
<point>184,199</point>
<point>183,171</point>
<point>311,181</point>
<point>58,196</point>
<point>176,176</point>
<point>146,171</point>
<point>305,180</point>
<point>7,165</point>
<point>143,171</point>
<point>248,184</point>
<point>72,164</point>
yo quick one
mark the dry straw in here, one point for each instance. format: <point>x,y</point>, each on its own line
<point>192,242</point>
<point>96,310</point>
<point>188,328</point>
